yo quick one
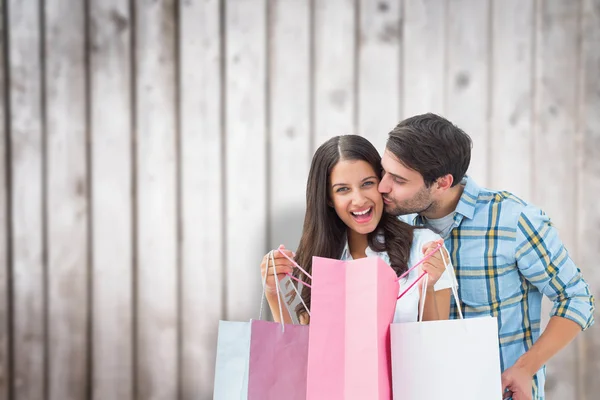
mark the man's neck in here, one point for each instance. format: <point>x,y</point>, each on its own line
<point>446,204</point>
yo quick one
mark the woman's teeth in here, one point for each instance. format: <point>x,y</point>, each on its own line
<point>362,212</point>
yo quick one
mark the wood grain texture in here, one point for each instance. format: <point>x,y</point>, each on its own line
<point>111,197</point>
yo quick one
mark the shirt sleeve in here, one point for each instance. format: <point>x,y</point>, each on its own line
<point>544,261</point>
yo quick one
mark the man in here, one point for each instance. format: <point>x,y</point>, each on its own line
<point>506,252</point>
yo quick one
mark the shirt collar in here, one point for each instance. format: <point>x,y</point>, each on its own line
<point>466,203</point>
<point>468,199</point>
<point>368,252</point>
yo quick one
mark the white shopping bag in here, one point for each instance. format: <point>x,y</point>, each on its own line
<point>451,360</point>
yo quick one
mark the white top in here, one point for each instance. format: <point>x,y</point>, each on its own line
<point>407,308</point>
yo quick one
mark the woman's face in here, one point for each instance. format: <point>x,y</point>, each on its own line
<point>354,195</point>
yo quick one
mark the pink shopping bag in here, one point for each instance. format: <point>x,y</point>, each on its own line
<point>261,360</point>
<point>352,307</point>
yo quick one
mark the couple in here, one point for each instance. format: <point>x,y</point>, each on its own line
<point>505,252</point>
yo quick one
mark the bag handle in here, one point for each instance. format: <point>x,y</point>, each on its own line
<point>297,266</point>
<point>298,293</point>
<point>453,287</point>
<point>271,262</point>
<point>439,246</point>
<point>298,280</point>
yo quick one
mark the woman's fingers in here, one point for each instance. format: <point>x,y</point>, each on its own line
<point>431,246</point>
<point>281,270</point>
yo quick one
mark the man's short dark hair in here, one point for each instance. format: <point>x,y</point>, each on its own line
<point>432,146</point>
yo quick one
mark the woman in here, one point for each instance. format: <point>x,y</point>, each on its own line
<point>345,220</point>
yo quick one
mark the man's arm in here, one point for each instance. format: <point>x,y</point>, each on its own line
<point>543,260</point>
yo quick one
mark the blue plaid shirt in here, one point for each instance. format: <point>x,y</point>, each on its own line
<point>507,254</point>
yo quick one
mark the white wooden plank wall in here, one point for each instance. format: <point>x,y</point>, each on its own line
<point>290,151</point>
<point>201,188</point>
<point>588,167</point>
<point>379,48</point>
<point>334,101</point>
<point>110,85</point>
<point>467,76</point>
<point>554,146</point>
<point>66,203</point>
<point>157,353</point>
<point>5,372</point>
<point>511,96</point>
<point>245,155</point>
<point>27,235</point>
<point>152,152</point>
<point>424,57</point>
<point>202,208</point>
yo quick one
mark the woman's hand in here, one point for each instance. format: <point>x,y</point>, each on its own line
<point>282,264</point>
<point>434,265</point>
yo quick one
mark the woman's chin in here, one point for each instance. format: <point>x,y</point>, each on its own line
<point>364,229</point>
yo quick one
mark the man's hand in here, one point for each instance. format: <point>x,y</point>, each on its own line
<point>517,383</point>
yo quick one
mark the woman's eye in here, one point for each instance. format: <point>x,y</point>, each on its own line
<point>342,189</point>
<point>368,183</point>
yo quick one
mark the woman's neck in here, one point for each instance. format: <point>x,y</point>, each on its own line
<point>357,244</point>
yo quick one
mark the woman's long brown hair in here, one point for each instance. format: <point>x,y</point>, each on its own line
<point>324,233</point>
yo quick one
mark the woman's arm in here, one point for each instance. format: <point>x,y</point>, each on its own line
<point>437,305</point>
<point>274,306</point>
<point>437,302</point>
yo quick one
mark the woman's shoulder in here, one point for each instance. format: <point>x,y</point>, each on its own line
<point>424,235</point>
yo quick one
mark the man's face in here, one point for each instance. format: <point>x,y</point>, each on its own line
<point>403,189</point>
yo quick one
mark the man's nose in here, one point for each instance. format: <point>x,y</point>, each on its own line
<point>384,185</point>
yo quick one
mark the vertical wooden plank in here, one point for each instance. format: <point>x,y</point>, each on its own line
<point>424,61</point>
<point>467,79</point>
<point>555,147</point>
<point>334,69</point>
<point>379,58</point>
<point>511,97</point>
<point>27,219</point>
<point>5,373</point>
<point>589,188</point>
<point>66,204</point>
<point>110,74</point>
<point>157,363</point>
<point>201,191</point>
<point>246,174</point>
<point>289,119</point>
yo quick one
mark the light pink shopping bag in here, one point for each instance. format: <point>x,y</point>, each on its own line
<point>352,307</point>
<point>261,360</point>
<point>277,367</point>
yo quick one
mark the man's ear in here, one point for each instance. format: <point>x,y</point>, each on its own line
<point>444,182</point>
